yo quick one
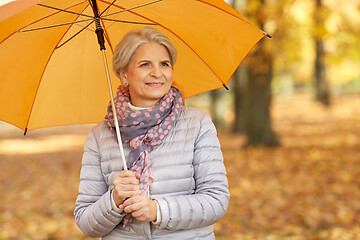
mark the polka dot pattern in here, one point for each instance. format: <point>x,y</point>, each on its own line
<point>144,130</point>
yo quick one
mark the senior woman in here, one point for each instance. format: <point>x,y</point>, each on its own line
<point>176,185</point>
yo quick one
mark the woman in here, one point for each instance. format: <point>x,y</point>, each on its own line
<point>176,185</point>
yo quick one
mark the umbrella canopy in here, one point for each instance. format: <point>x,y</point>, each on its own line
<point>52,72</point>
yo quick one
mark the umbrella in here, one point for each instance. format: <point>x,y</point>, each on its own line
<point>51,71</point>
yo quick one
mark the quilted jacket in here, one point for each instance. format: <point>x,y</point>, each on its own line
<point>190,184</point>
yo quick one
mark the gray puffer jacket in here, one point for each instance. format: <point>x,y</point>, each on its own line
<point>190,184</point>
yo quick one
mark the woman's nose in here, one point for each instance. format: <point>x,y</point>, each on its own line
<point>156,71</point>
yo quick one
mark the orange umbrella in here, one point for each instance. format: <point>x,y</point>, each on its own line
<point>51,70</point>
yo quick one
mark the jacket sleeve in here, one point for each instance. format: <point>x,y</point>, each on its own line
<point>210,201</point>
<point>94,214</point>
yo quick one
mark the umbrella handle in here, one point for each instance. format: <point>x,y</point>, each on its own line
<point>114,112</point>
<point>100,36</point>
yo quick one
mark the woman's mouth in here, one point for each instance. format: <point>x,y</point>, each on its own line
<point>154,84</point>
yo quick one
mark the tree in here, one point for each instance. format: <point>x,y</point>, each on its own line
<point>256,100</point>
<point>214,109</point>
<point>321,84</point>
<point>258,124</point>
<point>240,80</point>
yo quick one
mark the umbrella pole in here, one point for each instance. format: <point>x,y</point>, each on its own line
<point>114,112</point>
<point>101,40</point>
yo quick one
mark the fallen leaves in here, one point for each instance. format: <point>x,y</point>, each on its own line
<point>309,188</point>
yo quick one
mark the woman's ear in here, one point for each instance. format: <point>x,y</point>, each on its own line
<point>123,77</point>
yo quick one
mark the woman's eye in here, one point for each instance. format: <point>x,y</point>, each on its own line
<point>144,64</point>
<point>165,64</point>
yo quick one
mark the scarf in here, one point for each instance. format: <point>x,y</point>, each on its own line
<point>144,130</point>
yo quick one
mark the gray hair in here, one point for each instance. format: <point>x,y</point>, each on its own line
<point>132,40</point>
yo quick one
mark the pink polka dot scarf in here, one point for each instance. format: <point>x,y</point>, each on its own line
<point>144,129</point>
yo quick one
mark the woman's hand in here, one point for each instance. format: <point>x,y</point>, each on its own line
<point>126,185</point>
<point>141,208</point>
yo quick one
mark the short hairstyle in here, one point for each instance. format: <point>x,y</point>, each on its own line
<point>133,39</point>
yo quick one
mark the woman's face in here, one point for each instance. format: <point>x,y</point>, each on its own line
<point>149,74</point>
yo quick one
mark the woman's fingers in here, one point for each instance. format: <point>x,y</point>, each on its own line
<point>140,207</point>
<point>133,204</point>
<point>126,185</point>
<point>126,177</point>
<point>127,173</point>
<point>126,191</point>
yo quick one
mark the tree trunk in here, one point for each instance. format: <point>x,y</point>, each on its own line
<point>240,79</point>
<point>215,98</point>
<point>321,84</point>
<point>253,99</point>
<point>259,128</point>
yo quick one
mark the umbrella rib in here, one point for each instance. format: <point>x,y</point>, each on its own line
<point>39,20</point>
<point>92,20</point>
<point>121,21</point>
<point>56,25</point>
<point>37,90</point>
<point>69,39</point>
<point>132,8</point>
<point>63,10</point>
<point>107,8</point>
<point>63,24</point>
<point>74,35</point>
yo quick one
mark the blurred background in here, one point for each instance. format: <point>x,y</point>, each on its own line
<point>289,128</point>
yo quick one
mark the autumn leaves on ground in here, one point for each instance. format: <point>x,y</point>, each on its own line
<point>309,188</point>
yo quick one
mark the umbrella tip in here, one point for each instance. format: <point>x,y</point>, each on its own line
<point>25,131</point>
<point>225,86</point>
<point>268,35</point>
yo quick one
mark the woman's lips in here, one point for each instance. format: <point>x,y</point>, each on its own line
<point>154,84</point>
